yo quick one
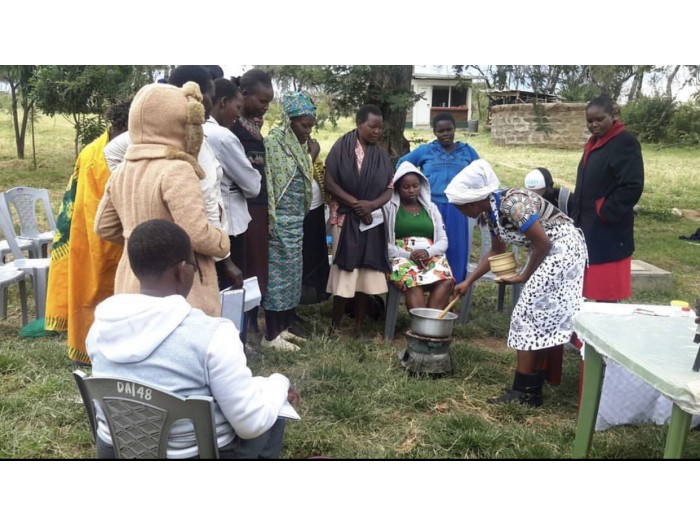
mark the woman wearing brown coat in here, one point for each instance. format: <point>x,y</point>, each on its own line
<point>160,180</point>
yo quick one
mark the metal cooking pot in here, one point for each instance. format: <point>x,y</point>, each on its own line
<point>424,321</point>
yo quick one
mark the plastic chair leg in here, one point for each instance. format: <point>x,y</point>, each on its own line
<point>33,250</point>
<point>40,281</point>
<point>392,312</point>
<point>23,302</point>
<point>3,302</point>
<point>22,298</point>
<point>466,304</point>
<point>501,296</point>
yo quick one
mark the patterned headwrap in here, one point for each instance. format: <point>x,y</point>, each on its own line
<point>297,104</point>
<point>474,183</point>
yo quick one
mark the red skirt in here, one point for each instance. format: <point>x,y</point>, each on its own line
<point>609,281</point>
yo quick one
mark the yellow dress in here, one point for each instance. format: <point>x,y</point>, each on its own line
<point>83,265</point>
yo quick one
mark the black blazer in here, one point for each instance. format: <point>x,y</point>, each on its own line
<point>613,176</point>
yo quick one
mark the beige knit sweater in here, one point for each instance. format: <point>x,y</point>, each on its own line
<point>160,180</point>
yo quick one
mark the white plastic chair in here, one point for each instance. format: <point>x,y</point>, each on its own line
<point>232,306</point>
<point>140,416</point>
<point>8,277</point>
<point>37,269</point>
<point>24,200</point>
<point>24,244</point>
<point>489,276</point>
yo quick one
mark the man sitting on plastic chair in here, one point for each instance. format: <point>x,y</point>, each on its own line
<point>156,337</point>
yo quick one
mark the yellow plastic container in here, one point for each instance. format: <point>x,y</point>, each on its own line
<point>680,304</point>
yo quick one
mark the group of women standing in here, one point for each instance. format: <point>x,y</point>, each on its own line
<point>408,222</point>
<point>279,245</point>
<point>598,227</point>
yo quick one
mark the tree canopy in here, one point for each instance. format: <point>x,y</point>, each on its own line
<point>351,86</point>
<point>83,93</point>
<point>576,82</point>
<point>19,79</point>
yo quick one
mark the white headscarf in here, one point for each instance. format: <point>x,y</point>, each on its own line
<point>474,183</point>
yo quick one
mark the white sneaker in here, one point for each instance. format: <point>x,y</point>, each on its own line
<point>289,336</point>
<point>279,344</point>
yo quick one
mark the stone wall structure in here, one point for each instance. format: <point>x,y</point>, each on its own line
<point>558,125</point>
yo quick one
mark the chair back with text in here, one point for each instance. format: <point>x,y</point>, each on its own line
<point>140,416</point>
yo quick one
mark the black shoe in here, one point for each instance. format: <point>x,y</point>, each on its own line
<point>508,396</point>
<point>526,390</point>
<point>513,396</point>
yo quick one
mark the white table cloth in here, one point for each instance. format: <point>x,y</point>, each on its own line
<point>625,398</point>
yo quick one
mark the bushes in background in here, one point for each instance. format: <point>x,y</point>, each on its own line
<point>684,128</point>
<point>661,120</point>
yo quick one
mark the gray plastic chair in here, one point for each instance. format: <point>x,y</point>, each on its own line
<point>489,276</point>
<point>24,245</point>
<point>140,416</point>
<point>393,300</point>
<point>37,269</point>
<point>8,277</point>
<point>233,306</point>
<point>24,201</point>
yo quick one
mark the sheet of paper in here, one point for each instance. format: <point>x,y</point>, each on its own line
<point>377,219</point>
<point>287,412</point>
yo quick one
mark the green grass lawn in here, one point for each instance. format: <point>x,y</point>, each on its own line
<point>357,401</point>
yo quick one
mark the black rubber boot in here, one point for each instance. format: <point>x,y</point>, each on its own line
<point>527,390</point>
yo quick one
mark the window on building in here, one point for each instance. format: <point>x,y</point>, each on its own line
<point>458,97</point>
<point>449,97</point>
<point>441,96</point>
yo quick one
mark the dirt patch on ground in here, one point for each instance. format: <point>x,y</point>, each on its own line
<point>490,343</point>
<point>693,215</point>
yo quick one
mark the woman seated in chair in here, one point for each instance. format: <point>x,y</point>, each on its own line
<point>417,242</point>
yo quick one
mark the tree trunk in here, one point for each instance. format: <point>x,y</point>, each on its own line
<point>636,89</point>
<point>33,142</point>
<point>553,79</point>
<point>398,79</point>
<point>393,140</point>
<point>27,109</point>
<point>669,83</point>
<point>76,141</point>
<point>19,142</point>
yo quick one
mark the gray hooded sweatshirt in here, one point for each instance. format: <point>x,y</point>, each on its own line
<point>391,209</point>
<point>164,342</point>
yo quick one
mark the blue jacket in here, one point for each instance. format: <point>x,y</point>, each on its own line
<point>439,166</point>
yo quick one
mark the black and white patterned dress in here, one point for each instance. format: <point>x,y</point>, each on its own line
<point>552,296</point>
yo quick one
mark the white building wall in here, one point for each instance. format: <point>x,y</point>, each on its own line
<point>421,109</point>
